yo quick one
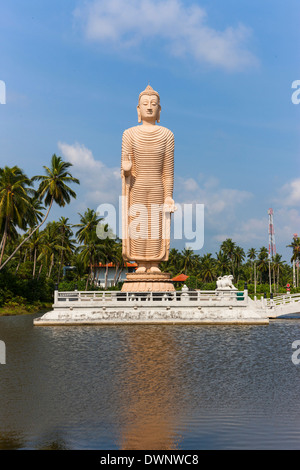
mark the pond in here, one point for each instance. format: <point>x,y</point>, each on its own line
<point>149,387</point>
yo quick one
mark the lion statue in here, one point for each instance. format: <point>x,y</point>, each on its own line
<point>225,282</point>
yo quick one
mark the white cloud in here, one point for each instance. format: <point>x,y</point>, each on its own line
<point>184,30</point>
<point>222,207</point>
<point>290,193</point>
<point>249,232</point>
<point>99,183</point>
<point>80,156</point>
<point>254,231</point>
<point>218,201</point>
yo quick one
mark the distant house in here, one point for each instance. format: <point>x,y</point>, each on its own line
<point>114,274</point>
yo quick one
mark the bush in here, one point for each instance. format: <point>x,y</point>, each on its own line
<point>25,290</point>
<point>73,285</point>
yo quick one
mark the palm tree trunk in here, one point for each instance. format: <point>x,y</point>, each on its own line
<point>97,277</point>
<point>3,241</point>
<point>106,273</point>
<point>232,265</point>
<point>254,278</point>
<point>119,275</point>
<point>17,268</point>
<point>34,263</point>
<point>40,270</point>
<point>89,276</point>
<point>27,238</point>
<point>51,265</point>
<point>116,273</point>
<point>61,261</point>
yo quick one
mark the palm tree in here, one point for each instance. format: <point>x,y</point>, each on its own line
<point>50,246</point>
<point>88,223</point>
<point>239,256</point>
<point>174,263</point>
<point>35,244</point>
<point>278,266</point>
<point>295,245</point>
<point>67,245</point>
<point>53,188</point>
<point>15,203</point>
<point>89,255</point>
<point>207,268</point>
<point>252,253</point>
<point>118,260</point>
<point>263,263</point>
<point>188,259</point>
<point>222,263</point>
<point>228,247</point>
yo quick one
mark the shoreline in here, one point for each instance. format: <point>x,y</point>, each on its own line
<point>7,311</point>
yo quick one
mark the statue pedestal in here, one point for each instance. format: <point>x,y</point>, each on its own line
<point>148,282</point>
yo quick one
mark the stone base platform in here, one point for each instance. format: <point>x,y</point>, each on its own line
<point>142,318</point>
<point>142,307</point>
<point>148,282</point>
<point>139,312</point>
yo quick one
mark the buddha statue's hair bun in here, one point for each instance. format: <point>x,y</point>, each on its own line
<point>149,91</point>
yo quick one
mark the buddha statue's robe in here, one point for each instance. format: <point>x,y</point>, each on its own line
<point>149,184</point>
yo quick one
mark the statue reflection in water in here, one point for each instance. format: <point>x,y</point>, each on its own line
<point>152,403</point>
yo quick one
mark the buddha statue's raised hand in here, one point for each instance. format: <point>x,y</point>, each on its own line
<point>170,204</point>
<point>127,164</point>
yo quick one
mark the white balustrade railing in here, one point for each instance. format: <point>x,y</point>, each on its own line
<point>177,296</point>
<point>283,299</point>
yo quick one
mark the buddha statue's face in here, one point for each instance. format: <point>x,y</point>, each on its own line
<point>149,109</point>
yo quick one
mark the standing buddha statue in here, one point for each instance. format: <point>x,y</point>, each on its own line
<point>147,170</point>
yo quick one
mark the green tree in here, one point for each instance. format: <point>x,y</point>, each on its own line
<point>88,224</point>
<point>228,247</point>
<point>90,254</point>
<point>207,268</point>
<point>53,188</point>
<point>295,245</point>
<point>278,267</point>
<point>263,263</point>
<point>239,256</point>
<point>15,203</point>
<point>67,244</point>
<point>222,263</point>
<point>188,259</point>
<point>35,244</point>
<point>174,263</point>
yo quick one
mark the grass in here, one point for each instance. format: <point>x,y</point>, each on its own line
<point>12,308</point>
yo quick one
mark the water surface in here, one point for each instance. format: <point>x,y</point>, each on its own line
<point>149,387</point>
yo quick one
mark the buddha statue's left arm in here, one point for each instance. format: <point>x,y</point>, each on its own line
<point>168,170</point>
<point>126,163</point>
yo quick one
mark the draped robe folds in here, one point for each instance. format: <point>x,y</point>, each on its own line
<point>146,232</point>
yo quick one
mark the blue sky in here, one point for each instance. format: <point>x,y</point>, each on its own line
<point>224,70</point>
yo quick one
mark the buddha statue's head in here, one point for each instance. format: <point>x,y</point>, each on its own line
<point>149,107</point>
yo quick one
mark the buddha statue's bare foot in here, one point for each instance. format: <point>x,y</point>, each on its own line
<point>154,269</point>
<point>141,269</point>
